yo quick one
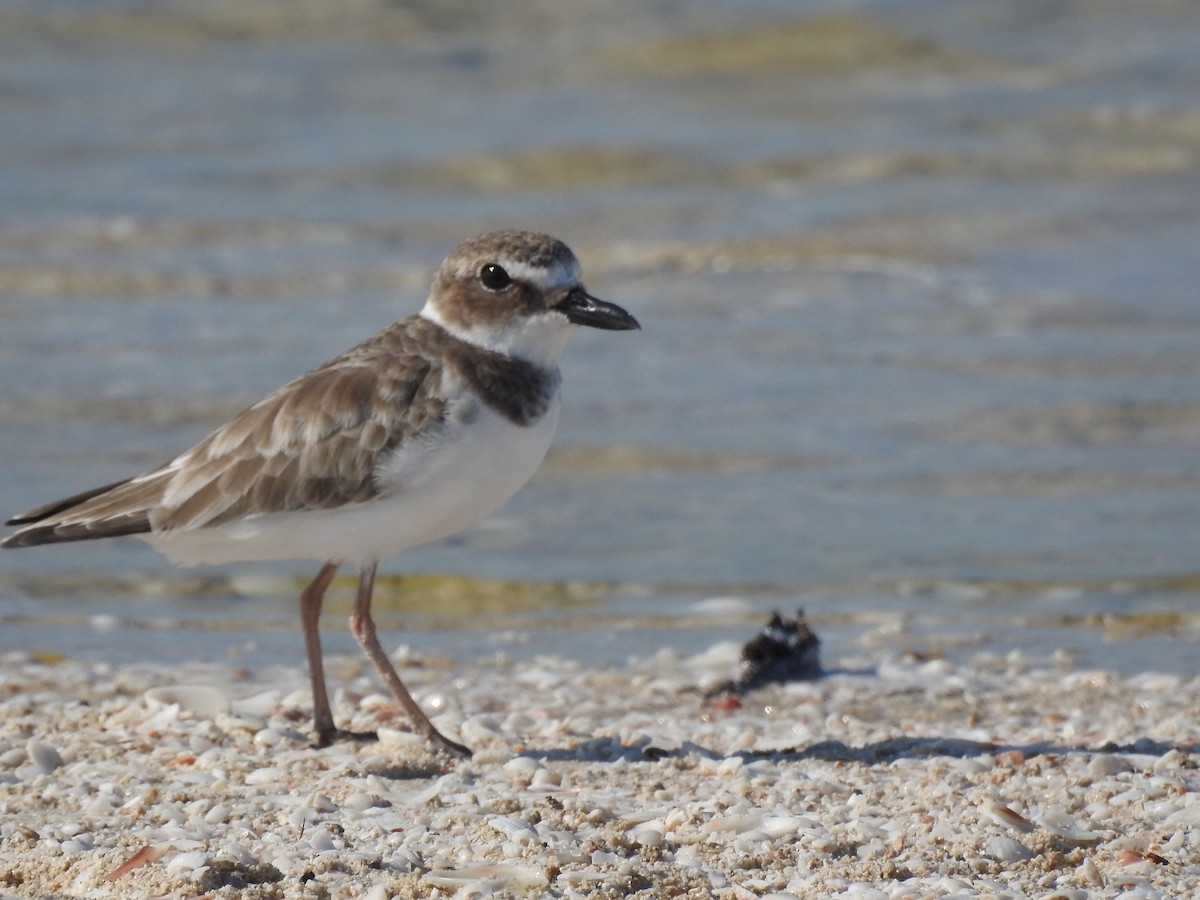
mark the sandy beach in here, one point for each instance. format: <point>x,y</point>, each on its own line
<point>889,777</point>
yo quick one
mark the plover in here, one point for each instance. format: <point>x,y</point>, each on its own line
<point>413,435</point>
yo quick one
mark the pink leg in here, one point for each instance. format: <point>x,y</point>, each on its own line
<point>310,616</point>
<point>362,626</point>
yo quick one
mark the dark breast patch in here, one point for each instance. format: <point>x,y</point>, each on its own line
<point>514,388</point>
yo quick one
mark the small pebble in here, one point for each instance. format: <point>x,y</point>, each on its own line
<point>1007,849</point>
<point>197,699</point>
<point>183,862</point>
<point>265,775</point>
<point>44,757</point>
<point>321,840</point>
<point>359,801</point>
<point>217,815</point>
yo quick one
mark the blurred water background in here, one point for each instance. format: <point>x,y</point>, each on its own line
<point>918,284</point>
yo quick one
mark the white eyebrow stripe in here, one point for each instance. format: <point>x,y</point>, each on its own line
<point>558,276</point>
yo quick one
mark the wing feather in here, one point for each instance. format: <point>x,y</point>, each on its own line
<point>312,444</point>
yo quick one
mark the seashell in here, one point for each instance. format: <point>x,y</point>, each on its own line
<point>272,737</point>
<point>746,841</point>
<point>198,699</point>
<point>1125,798</point>
<point>546,779</point>
<point>584,876</point>
<point>266,775</point>
<point>522,764</point>
<point>782,826</point>
<point>217,815</point>
<point>730,765</point>
<point>1087,873</point>
<point>674,819</point>
<point>1006,817</point>
<point>44,757</point>
<point>645,836</point>
<point>737,823</point>
<point>142,857</point>
<point>1006,849</point>
<point>258,705</point>
<point>190,861</point>
<point>514,828</point>
<point>321,840</point>
<point>482,730</point>
<point>398,739</point>
<point>1058,821</point>
<point>1189,816</point>
<point>361,801</point>
<point>1108,764</point>
<point>321,803</point>
<point>514,876</point>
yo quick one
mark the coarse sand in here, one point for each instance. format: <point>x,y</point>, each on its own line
<point>999,776</point>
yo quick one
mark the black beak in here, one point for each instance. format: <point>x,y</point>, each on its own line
<point>584,309</point>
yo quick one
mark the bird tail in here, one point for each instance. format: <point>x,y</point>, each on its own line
<point>86,516</point>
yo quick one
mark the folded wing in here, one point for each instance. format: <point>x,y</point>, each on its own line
<point>312,444</point>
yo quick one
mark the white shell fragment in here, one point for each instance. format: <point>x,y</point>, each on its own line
<point>43,756</point>
<point>197,699</point>
<point>1002,815</point>
<point>1007,849</point>
<point>489,876</point>
<point>1059,822</point>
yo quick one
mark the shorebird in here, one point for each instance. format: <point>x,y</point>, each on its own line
<point>413,435</point>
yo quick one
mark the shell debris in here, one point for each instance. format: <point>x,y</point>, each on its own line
<point>889,777</point>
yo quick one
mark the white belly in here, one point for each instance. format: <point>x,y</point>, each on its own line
<point>428,491</point>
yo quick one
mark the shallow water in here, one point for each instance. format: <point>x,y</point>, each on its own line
<point>918,295</point>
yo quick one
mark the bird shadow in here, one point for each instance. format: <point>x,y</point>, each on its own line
<point>875,752</point>
<point>887,750</point>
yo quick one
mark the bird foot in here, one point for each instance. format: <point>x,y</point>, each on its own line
<point>329,736</point>
<point>454,748</point>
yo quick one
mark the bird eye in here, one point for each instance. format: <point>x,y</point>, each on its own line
<point>494,278</point>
